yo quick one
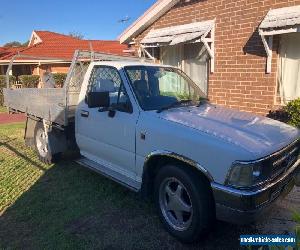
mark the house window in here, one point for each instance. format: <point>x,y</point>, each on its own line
<point>289,67</point>
<point>172,55</point>
<point>192,58</point>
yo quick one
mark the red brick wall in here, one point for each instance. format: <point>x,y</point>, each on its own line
<point>239,80</point>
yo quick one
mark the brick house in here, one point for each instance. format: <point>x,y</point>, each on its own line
<point>53,51</point>
<point>244,54</point>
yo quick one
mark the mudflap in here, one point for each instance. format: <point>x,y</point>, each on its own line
<point>29,132</point>
<point>57,141</point>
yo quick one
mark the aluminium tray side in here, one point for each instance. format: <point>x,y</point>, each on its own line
<point>43,103</point>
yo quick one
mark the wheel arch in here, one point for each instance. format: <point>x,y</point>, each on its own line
<point>156,159</point>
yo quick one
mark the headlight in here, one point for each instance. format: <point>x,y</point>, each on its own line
<point>243,175</point>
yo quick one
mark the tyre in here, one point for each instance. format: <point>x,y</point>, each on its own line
<point>42,145</point>
<point>184,202</point>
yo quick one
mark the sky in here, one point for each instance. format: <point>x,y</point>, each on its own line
<point>93,19</point>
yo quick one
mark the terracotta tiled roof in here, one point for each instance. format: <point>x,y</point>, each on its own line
<point>58,46</point>
<point>8,50</point>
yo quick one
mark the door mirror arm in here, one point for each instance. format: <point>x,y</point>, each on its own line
<point>103,109</point>
<point>111,111</point>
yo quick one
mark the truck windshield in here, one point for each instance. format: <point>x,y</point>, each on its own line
<point>159,88</point>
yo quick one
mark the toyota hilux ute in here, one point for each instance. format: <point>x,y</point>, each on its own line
<point>151,128</point>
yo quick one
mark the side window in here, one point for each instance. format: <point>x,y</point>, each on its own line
<point>137,75</point>
<point>104,78</point>
<point>140,82</point>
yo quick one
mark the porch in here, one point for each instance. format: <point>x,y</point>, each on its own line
<point>17,70</point>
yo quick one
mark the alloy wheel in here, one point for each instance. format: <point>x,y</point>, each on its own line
<point>175,204</point>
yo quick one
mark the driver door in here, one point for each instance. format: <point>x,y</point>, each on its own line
<point>106,139</point>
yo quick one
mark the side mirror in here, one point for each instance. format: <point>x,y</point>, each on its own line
<point>98,99</point>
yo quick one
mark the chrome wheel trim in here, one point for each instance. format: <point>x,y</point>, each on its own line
<point>42,142</point>
<point>175,204</point>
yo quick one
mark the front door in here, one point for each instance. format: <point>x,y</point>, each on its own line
<point>106,139</point>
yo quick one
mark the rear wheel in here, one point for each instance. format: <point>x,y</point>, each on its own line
<point>42,145</point>
<point>184,202</point>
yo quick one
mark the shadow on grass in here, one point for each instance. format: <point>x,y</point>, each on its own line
<point>71,207</point>
<point>7,144</point>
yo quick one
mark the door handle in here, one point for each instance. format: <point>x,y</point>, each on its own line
<point>84,113</point>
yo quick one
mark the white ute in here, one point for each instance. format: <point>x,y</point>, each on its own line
<point>150,128</point>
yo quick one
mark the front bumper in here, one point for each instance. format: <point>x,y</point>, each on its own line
<point>245,206</point>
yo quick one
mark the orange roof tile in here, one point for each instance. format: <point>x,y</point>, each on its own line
<point>59,46</point>
<point>8,50</point>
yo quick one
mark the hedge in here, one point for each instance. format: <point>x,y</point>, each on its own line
<point>293,111</point>
<point>12,80</point>
<point>29,81</point>
<point>59,79</point>
<point>289,114</point>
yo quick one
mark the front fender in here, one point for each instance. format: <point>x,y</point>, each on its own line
<point>178,157</point>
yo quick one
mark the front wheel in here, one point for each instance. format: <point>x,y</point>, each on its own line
<point>184,202</point>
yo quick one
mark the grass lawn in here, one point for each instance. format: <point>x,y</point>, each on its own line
<point>3,109</point>
<point>66,206</point>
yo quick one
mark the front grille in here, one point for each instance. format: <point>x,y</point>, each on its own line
<point>284,159</point>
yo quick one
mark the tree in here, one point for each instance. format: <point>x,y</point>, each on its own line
<point>76,34</point>
<point>25,44</point>
<point>13,44</point>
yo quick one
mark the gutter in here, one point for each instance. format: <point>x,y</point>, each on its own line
<point>149,17</point>
<point>32,62</point>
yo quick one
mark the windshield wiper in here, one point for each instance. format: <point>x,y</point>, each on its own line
<point>172,105</point>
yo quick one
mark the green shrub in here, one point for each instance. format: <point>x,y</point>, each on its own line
<point>289,114</point>
<point>59,78</point>
<point>293,111</point>
<point>279,115</point>
<point>12,80</point>
<point>296,218</point>
<point>29,81</point>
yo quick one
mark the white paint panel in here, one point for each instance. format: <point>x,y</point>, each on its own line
<point>164,39</point>
<point>282,17</point>
<point>278,21</point>
<point>186,37</point>
<point>178,34</point>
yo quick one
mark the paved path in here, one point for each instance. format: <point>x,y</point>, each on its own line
<point>280,219</point>
<point>11,118</point>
